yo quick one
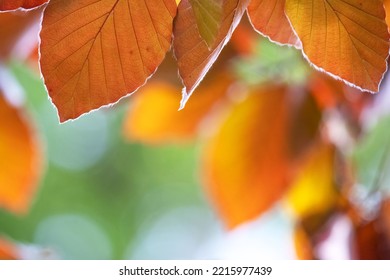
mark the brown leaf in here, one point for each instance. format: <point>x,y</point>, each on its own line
<point>269,19</point>
<point>346,38</point>
<point>21,156</point>
<point>8,5</point>
<point>373,237</point>
<point>193,55</point>
<point>95,52</point>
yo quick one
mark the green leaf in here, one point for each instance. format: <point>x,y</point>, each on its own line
<point>371,158</point>
<point>208,14</point>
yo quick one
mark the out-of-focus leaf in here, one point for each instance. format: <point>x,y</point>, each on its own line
<point>303,245</point>
<point>7,5</point>
<point>153,116</point>
<point>348,39</point>
<point>208,16</point>
<point>373,237</point>
<point>268,18</point>
<point>13,27</point>
<point>314,190</point>
<point>245,163</point>
<point>305,118</point>
<point>7,250</point>
<point>330,93</point>
<point>244,39</point>
<point>387,8</point>
<point>193,55</point>
<point>21,159</point>
<point>250,161</point>
<point>371,158</point>
<point>95,52</point>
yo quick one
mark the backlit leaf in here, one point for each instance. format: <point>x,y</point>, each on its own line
<point>95,52</point>
<point>314,190</point>
<point>208,14</point>
<point>268,18</point>
<point>346,38</point>
<point>7,5</point>
<point>20,163</point>
<point>193,55</point>
<point>245,163</point>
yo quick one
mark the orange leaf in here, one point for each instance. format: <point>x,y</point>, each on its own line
<point>7,5</point>
<point>303,245</point>
<point>346,38</point>
<point>95,52</point>
<point>268,18</point>
<point>153,116</point>
<point>7,250</point>
<point>387,8</point>
<point>20,163</point>
<point>245,163</point>
<point>194,57</point>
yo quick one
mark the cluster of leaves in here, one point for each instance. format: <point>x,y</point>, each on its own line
<point>95,52</point>
<point>272,141</point>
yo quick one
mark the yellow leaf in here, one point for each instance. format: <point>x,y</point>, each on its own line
<point>314,190</point>
<point>268,18</point>
<point>95,52</point>
<point>346,38</point>
<point>21,157</point>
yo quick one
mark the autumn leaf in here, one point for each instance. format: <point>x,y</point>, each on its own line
<point>372,237</point>
<point>95,52</point>
<point>245,163</point>
<point>153,116</point>
<point>8,251</point>
<point>20,166</point>
<point>208,15</point>
<point>269,19</point>
<point>303,245</point>
<point>387,8</point>
<point>194,57</point>
<point>8,5</point>
<point>314,190</point>
<point>346,38</point>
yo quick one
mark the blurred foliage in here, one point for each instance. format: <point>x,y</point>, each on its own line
<point>92,173</point>
<point>278,151</point>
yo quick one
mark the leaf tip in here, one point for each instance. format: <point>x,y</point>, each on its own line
<point>184,99</point>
